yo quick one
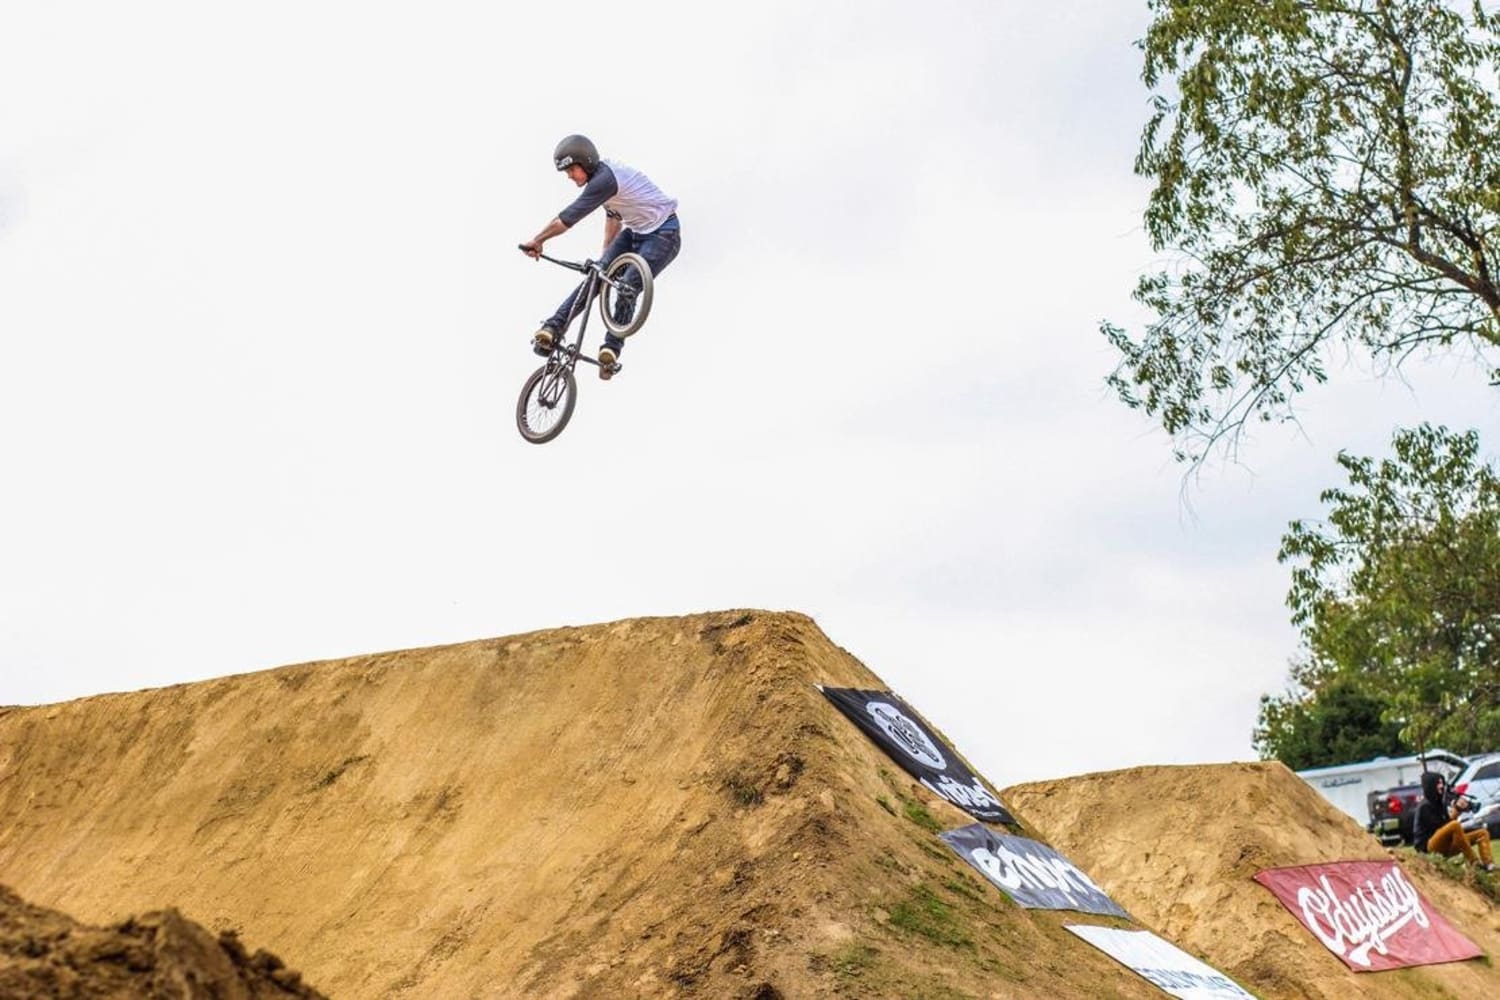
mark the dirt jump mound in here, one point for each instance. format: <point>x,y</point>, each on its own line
<point>659,807</point>
<point>649,808</point>
<point>1179,847</point>
<point>45,955</point>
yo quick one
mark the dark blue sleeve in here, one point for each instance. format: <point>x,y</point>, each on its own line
<point>600,188</point>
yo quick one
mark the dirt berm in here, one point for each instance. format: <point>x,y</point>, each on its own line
<point>1178,847</point>
<point>651,808</point>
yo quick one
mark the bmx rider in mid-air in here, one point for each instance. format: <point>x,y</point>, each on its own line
<point>638,218</point>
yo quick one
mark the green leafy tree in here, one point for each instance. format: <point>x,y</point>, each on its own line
<point>1327,183</point>
<point>1399,588</point>
<point>1326,721</point>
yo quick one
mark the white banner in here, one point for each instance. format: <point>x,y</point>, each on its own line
<point>1164,964</point>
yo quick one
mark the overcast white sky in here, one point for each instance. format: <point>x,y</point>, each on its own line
<point>262,326</point>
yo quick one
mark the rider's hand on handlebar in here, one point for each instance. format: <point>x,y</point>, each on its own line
<point>532,249</point>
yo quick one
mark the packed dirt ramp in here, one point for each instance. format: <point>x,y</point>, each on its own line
<point>650,808</point>
<point>1178,847</point>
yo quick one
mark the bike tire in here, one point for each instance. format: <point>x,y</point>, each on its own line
<point>551,389</point>
<point>609,298</point>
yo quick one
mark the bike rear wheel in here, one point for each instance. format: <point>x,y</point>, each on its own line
<point>631,269</point>
<point>546,403</point>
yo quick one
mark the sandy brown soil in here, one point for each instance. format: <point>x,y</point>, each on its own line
<point>1178,846</point>
<point>651,808</point>
<point>45,955</point>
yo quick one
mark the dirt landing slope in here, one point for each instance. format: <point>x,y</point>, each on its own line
<point>45,955</point>
<point>1178,846</point>
<point>651,808</point>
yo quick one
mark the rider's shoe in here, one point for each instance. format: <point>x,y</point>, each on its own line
<point>543,340</point>
<point>607,358</point>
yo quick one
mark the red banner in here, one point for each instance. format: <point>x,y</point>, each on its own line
<point>1368,914</point>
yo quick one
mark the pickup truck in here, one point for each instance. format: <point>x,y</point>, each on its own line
<point>1392,812</point>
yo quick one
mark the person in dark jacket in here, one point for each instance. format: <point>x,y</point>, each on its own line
<point>1437,828</point>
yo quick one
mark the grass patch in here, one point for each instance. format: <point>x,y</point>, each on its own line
<point>1487,884</point>
<point>743,791</point>
<point>863,971</point>
<point>923,913</point>
<point>853,960</point>
<point>964,888</point>
<point>936,853</point>
<point>918,814</point>
<point>885,804</point>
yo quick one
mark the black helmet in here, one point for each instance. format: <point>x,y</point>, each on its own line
<point>576,149</point>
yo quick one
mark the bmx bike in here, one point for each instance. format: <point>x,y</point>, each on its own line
<point>624,290</point>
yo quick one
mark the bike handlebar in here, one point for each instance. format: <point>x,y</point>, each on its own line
<point>524,248</point>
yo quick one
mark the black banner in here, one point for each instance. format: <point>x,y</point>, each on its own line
<point>1031,873</point>
<point>892,724</point>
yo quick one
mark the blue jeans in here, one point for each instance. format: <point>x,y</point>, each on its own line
<point>659,248</point>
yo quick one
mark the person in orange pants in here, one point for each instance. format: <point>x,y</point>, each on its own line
<point>1437,829</point>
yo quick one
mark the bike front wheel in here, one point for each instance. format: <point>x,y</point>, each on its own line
<point>546,403</point>
<point>625,300</point>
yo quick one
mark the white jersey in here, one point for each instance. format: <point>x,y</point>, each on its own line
<point>640,205</point>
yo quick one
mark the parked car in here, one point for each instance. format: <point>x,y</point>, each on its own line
<point>1481,779</point>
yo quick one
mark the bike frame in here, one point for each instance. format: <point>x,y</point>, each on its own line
<point>588,289</point>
